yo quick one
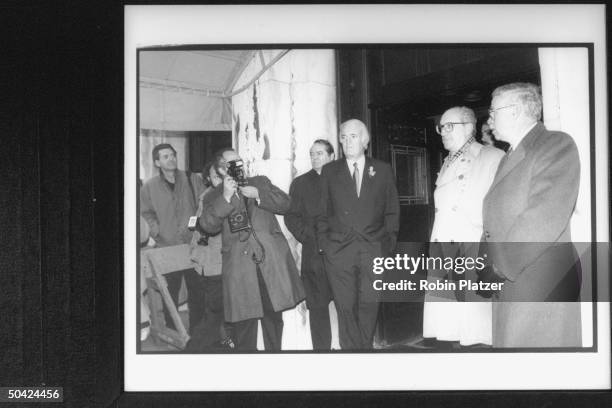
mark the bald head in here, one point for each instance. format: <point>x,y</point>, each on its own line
<point>456,127</point>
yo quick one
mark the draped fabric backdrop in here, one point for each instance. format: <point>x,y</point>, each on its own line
<point>168,109</point>
<point>275,119</point>
<point>565,93</point>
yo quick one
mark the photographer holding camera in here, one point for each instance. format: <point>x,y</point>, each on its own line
<point>260,278</point>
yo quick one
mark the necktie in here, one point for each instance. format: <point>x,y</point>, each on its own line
<point>356,178</point>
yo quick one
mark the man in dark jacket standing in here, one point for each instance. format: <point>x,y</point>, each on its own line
<point>260,278</point>
<point>358,221</point>
<point>305,195</point>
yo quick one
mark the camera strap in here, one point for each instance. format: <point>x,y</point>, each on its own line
<point>195,199</point>
<point>195,236</point>
<point>257,260</point>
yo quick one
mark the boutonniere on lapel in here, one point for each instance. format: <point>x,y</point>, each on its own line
<point>371,171</point>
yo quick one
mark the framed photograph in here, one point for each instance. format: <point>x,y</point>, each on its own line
<point>220,291</point>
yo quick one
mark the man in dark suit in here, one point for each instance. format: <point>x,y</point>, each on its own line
<point>526,224</point>
<point>305,192</point>
<point>260,278</point>
<point>358,221</point>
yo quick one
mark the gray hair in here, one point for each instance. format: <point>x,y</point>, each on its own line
<point>524,93</point>
<point>362,127</point>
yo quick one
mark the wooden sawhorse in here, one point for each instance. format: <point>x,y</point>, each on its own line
<point>158,262</point>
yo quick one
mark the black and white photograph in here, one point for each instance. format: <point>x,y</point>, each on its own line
<point>305,205</point>
<point>397,200</point>
<point>430,122</point>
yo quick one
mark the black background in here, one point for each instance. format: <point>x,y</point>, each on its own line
<point>61,262</point>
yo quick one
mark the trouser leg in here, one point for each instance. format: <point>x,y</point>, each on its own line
<point>343,282</point>
<point>245,334</point>
<point>367,300</point>
<point>213,308</point>
<point>195,297</point>
<point>272,322</point>
<point>173,280</point>
<point>318,296</point>
<point>208,330</point>
<point>320,328</point>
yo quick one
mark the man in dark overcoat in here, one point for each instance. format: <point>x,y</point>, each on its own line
<point>526,226</point>
<point>260,278</point>
<point>305,192</point>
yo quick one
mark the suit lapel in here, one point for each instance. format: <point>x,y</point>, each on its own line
<point>509,162</point>
<point>366,179</point>
<point>445,175</point>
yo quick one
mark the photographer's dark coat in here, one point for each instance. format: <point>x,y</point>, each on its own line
<point>241,297</point>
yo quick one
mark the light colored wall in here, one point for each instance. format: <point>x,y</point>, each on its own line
<point>565,95</point>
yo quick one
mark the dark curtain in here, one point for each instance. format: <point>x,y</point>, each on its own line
<point>61,130</point>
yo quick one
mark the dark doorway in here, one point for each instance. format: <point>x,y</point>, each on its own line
<point>203,145</point>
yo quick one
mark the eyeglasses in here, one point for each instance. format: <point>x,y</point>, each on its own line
<point>492,111</point>
<point>448,126</point>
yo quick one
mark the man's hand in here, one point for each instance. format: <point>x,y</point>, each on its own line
<point>229,188</point>
<point>488,275</point>
<point>250,192</point>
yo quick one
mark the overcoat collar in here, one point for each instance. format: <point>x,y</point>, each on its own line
<point>313,175</point>
<point>459,167</point>
<point>510,161</point>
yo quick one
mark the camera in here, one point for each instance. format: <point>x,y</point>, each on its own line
<point>238,221</point>
<point>235,169</point>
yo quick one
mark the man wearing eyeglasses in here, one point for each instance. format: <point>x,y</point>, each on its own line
<point>463,181</point>
<point>526,219</point>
